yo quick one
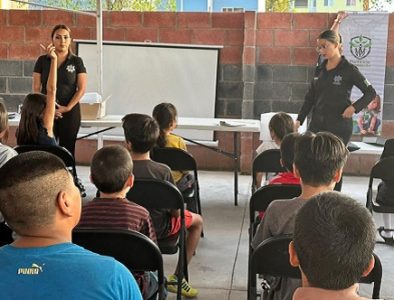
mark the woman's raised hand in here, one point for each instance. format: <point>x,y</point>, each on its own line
<point>50,50</point>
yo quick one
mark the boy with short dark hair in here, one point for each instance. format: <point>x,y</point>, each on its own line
<point>318,162</point>
<point>111,171</point>
<point>141,133</point>
<point>337,252</point>
<point>40,202</point>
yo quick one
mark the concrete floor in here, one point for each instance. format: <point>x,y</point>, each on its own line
<point>219,269</point>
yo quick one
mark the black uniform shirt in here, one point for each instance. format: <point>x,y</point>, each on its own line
<point>329,94</point>
<point>67,76</point>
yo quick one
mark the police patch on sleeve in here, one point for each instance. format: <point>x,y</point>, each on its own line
<point>367,83</point>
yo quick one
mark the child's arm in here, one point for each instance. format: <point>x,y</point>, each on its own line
<point>372,124</point>
<point>182,144</point>
<point>360,124</point>
<point>49,112</point>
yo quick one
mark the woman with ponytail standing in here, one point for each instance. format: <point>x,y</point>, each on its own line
<point>328,98</point>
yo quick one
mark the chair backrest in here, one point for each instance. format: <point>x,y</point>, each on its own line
<point>388,149</point>
<point>383,169</point>
<point>156,194</point>
<point>260,199</point>
<point>267,162</point>
<point>133,249</point>
<point>5,234</point>
<point>59,151</point>
<point>271,257</point>
<point>177,159</point>
<point>375,277</point>
<point>180,160</point>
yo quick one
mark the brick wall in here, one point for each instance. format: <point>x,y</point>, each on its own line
<point>265,64</point>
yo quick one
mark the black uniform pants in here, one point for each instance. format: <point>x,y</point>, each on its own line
<point>339,126</point>
<point>66,129</point>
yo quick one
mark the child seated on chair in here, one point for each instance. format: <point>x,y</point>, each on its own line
<point>141,134</point>
<point>280,125</point>
<point>36,126</point>
<point>286,160</point>
<point>6,152</point>
<point>38,111</point>
<point>111,171</point>
<point>318,162</point>
<point>165,115</point>
<point>337,252</point>
<point>41,204</point>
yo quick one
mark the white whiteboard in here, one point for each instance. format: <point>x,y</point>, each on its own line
<point>138,76</point>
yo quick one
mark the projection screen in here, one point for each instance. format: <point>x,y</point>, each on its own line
<point>137,76</point>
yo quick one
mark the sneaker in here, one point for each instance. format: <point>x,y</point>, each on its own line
<point>187,290</point>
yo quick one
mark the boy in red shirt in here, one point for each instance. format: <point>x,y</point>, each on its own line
<point>286,160</point>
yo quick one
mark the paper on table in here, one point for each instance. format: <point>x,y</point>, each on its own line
<point>11,115</point>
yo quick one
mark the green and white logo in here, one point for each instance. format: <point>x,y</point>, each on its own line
<point>360,46</point>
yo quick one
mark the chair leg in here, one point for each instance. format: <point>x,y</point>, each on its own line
<point>180,275</point>
<point>197,196</point>
<point>182,264</point>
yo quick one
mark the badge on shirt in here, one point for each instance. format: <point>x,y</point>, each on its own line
<point>70,68</point>
<point>337,80</point>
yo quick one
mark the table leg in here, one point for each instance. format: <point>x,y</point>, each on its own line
<point>236,166</point>
<point>100,140</point>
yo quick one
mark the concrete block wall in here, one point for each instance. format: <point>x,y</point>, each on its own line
<point>265,64</point>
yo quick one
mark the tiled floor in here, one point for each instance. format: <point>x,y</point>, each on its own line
<point>219,269</point>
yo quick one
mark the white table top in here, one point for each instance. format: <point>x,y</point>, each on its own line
<point>368,148</point>
<point>238,125</point>
<point>233,125</point>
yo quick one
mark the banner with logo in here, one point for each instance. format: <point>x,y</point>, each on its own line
<point>364,40</point>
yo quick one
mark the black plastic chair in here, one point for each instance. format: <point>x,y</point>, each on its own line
<point>388,149</point>
<point>271,257</point>
<point>267,162</point>
<point>5,234</point>
<point>59,151</point>
<point>260,200</point>
<point>375,277</point>
<point>158,194</point>
<point>383,170</point>
<point>133,249</point>
<point>180,160</point>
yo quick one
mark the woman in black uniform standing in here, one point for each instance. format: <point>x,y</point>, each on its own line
<point>329,95</point>
<point>71,85</point>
